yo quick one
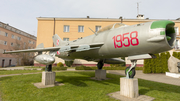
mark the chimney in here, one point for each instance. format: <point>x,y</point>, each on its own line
<point>140,16</point>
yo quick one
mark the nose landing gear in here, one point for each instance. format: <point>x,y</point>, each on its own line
<point>130,71</point>
<point>100,64</point>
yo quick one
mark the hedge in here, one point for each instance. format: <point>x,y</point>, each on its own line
<point>105,68</point>
<point>69,63</point>
<point>56,68</point>
<point>159,64</point>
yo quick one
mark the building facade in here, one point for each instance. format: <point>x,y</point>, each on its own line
<point>73,28</point>
<point>12,38</point>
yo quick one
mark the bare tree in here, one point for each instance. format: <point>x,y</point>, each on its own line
<point>24,59</point>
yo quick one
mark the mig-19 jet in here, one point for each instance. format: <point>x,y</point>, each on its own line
<point>136,42</point>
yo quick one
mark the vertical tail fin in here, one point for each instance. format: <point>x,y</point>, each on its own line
<point>58,41</point>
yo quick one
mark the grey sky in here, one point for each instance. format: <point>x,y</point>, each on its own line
<point>22,13</point>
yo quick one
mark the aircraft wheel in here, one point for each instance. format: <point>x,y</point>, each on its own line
<point>131,73</point>
<point>100,64</point>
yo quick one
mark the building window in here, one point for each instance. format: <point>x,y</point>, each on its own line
<point>6,34</point>
<point>24,44</point>
<point>5,42</point>
<point>19,38</point>
<point>66,28</point>
<point>29,41</point>
<point>11,44</point>
<point>80,28</point>
<point>177,45</point>
<point>18,45</point>
<point>97,28</point>
<point>176,30</point>
<point>33,42</point>
<point>65,39</point>
<point>12,36</point>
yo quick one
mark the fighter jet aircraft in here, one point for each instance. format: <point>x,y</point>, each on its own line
<point>136,42</point>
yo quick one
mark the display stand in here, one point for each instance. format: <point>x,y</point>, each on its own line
<point>129,87</point>
<point>100,74</point>
<point>48,80</point>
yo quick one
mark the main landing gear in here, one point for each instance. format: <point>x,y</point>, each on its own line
<point>48,68</point>
<point>130,71</point>
<point>100,64</point>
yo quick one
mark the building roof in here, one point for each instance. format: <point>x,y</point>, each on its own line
<point>13,29</point>
<point>101,19</point>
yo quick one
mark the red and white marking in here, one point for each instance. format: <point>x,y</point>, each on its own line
<point>57,41</point>
<point>58,52</point>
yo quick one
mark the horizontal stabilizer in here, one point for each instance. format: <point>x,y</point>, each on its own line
<point>40,46</point>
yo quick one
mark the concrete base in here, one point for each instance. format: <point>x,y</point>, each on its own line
<point>48,78</point>
<point>117,96</point>
<point>129,87</point>
<point>40,85</point>
<point>100,74</point>
<point>174,75</point>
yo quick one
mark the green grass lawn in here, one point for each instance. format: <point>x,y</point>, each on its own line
<point>6,72</point>
<point>78,87</point>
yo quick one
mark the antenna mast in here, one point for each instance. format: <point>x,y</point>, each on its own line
<point>137,8</point>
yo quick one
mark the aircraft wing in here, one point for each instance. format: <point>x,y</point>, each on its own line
<point>78,48</point>
<point>33,50</point>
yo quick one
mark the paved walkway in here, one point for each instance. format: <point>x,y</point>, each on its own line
<point>19,68</point>
<point>162,78</point>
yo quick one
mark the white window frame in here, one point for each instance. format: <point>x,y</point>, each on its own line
<point>66,28</point>
<point>65,39</point>
<point>176,30</point>
<point>80,28</point>
<point>98,28</point>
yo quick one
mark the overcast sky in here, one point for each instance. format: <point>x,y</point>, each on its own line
<point>22,13</point>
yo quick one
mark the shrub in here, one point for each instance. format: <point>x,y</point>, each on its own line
<point>175,54</point>
<point>163,61</point>
<point>82,67</point>
<point>105,68</point>
<point>147,67</point>
<point>60,64</point>
<point>178,55</point>
<point>167,58</point>
<point>56,68</point>
<point>157,64</point>
<point>69,63</point>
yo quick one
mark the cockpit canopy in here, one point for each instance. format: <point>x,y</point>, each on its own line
<point>113,26</point>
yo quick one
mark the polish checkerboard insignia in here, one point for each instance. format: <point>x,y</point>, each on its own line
<point>58,52</point>
<point>57,41</point>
